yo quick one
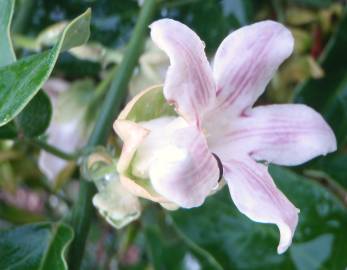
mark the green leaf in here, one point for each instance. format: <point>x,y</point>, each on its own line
<point>168,249</point>
<point>38,246</point>
<point>35,118</point>
<point>328,95</point>
<point>239,243</point>
<point>165,250</point>
<point>7,55</point>
<point>8,131</point>
<point>20,81</point>
<point>335,167</point>
<point>18,216</point>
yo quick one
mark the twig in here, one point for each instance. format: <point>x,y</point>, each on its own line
<point>328,183</point>
<point>52,149</point>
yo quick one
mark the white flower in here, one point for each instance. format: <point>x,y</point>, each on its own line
<point>216,125</point>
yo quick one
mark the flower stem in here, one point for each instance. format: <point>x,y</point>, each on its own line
<point>103,86</point>
<point>52,150</point>
<point>83,209</point>
<point>278,7</point>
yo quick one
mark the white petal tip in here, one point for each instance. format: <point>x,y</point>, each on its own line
<point>282,249</point>
<point>286,238</point>
<point>162,23</point>
<point>287,232</point>
<point>286,40</point>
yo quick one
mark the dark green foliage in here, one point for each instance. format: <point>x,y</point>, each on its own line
<point>35,247</point>
<point>35,118</point>
<point>239,243</point>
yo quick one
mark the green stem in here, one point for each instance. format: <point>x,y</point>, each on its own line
<point>127,239</point>
<point>329,184</point>
<point>51,149</point>
<point>278,7</point>
<point>104,84</point>
<point>83,209</point>
<point>177,3</point>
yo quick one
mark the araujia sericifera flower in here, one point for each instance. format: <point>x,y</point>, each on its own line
<point>174,158</point>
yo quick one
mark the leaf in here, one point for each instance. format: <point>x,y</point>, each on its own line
<point>20,81</point>
<point>335,167</point>
<point>36,116</point>
<point>168,249</point>
<point>18,216</point>
<point>239,243</point>
<point>39,246</point>
<point>8,131</point>
<point>7,55</point>
<point>328,95</point>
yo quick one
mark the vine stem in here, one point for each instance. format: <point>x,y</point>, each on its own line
<point>52,149</point>
<point>82,211</point>
<point>329,184</point>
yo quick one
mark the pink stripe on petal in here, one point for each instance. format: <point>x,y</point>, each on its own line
<point>246,61</point>
<point>256,195</point>
<point>189,82</point>
<point>185,171</point>
<point>282,134</point>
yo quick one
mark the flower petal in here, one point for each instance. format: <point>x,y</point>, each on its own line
<point>144,190</point>
<point>189,82</point>
<point>256,195</point>
<point>281,134</point>
<point>246,61</point>
<point>132,135</point>
<point>184,171</point>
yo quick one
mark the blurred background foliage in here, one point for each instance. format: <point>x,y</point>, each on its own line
<point>34,188</point>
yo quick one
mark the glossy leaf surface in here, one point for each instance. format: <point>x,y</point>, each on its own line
<point>38,246</point>
<point>19,82</point>
<point>7,55</point>
<point>167,248</point>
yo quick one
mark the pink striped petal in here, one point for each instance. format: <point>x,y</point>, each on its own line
<point>189,82</point>
<point>184,171</point>
<point>246,61</point>
<point>281,134</point>
<point>256,195</point>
